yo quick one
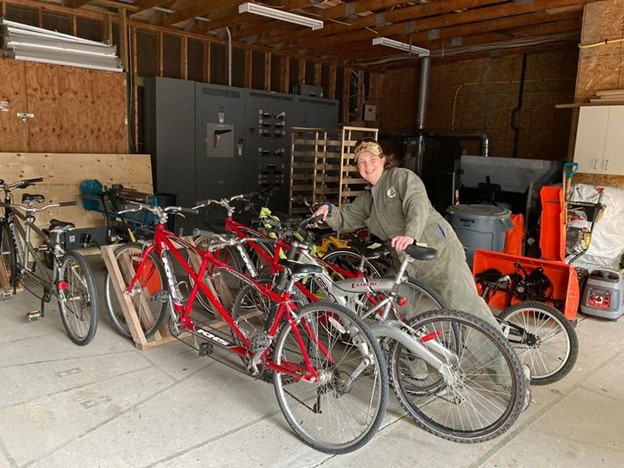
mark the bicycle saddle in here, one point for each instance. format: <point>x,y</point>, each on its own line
<point>30,198</point>
<point>297,268</point>
<point>421,253</point>
<point>56,224</point>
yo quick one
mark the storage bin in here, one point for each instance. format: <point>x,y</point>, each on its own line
<point>479,227</point>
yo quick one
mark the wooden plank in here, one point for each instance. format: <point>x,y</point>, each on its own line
<point>117,280</point>
<point>62,174</point>
<point>13,130</point>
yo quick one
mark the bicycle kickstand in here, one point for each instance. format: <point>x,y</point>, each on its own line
<point>36,314</point>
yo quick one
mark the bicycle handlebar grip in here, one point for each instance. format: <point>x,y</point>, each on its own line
<point>68,203</point>
<point>182,209</point>
<point>26,182</point>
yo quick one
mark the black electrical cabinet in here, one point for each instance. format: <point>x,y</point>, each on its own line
<point>212,141</point>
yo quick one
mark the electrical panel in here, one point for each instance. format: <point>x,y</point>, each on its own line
<point>216,141</point>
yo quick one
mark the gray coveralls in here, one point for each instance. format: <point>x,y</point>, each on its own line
<point>398,206</point>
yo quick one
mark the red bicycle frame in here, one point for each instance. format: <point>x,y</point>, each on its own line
<point>165,242</point>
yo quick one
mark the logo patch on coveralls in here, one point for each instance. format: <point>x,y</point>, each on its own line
<point>392,193</point>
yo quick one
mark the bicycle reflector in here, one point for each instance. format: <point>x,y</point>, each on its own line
<point>430,336</point>
<point>402,301</point>
<point>63,285</point>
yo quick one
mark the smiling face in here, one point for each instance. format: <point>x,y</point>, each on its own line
<point>370,166</point>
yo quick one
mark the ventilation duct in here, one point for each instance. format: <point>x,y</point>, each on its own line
<point>23,42</point>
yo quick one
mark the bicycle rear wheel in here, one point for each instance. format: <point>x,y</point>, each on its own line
<point>549,345</point>
<point>343,410</point>
<point>78,301</point>
<point>152,310</point>
<point>484,389</point>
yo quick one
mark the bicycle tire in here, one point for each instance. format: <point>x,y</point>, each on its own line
<point>78,299</point>
<point>152,281</point>
<point>553,348</point>
<point>350,261</point>
<point>487,390</point>
<point>349,417</point>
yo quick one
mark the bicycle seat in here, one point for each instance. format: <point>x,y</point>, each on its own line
<point>56,224</point>
<point>421,253</point>
<point>30,198</point>
<point>297,268</point>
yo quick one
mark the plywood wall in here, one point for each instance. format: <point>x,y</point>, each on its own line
<point>63,173</point>
<point>479,95</point>
<point>73,109</point>
<point>600,67</point>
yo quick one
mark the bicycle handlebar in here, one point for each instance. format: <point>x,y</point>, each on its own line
<point>42,208</point>
<point>20,184</point>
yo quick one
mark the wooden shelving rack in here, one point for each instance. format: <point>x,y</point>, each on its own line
<point>322,166</point>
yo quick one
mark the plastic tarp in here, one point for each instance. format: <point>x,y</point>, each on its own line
<point>607,240</point>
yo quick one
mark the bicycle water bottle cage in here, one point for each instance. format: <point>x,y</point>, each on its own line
<point>29,198</point>
<point>57,225</point>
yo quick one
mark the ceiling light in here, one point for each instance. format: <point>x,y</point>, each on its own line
<point>384,41</point>
<point>279,15</point>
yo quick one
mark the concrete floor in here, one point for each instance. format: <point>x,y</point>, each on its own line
<point>111,405</point>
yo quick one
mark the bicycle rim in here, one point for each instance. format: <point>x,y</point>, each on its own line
<point>150,309</point>
<point>551,349</point>
<point>78,299</point>
<point>331,416</point>
<point>483,396</point>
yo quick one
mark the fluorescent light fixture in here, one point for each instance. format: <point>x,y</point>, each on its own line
<point>279,15</point>
<point>384,41</point>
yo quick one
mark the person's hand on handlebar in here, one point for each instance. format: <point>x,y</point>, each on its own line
<point>324,210</point>
<point>400,243</point>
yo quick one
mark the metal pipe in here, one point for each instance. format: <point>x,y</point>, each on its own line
<point>423,89</point>
<point>229,34</point>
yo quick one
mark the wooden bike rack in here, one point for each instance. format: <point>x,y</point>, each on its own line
<point>143,315</point>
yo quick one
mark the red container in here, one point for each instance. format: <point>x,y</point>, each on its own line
<point>564,278</point>
<point>552,224</point>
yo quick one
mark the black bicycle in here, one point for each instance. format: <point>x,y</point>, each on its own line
<point>47,270</point>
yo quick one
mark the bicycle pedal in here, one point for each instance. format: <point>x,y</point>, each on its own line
<point>33,315</point>
<point>161,296</point>
<point>206,349</point>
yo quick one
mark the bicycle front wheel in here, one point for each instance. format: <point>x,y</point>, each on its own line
<point>543,339</point>
<point>78,301</point>
<point>476,394</point>
<point>342,410</point>
<point>350,261</point>
<point>152,310</point>
<point>416,298</point>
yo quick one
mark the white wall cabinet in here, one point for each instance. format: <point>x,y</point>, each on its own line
<point>599,145</point>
